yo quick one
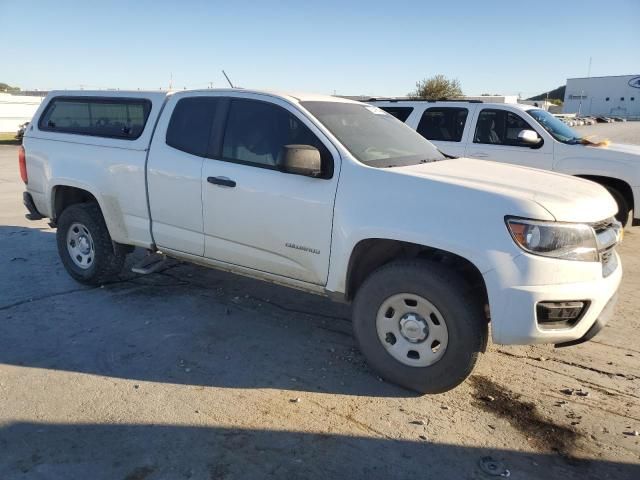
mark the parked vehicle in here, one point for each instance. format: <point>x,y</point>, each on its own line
<point>21,130</point>
<point>332,197</point>
<point>528,136</point>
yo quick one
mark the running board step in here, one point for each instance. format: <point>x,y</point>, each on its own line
<point>149,264</point>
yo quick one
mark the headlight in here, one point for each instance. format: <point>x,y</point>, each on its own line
<point>568,241</point>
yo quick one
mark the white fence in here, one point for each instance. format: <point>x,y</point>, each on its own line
<point>16,109</point>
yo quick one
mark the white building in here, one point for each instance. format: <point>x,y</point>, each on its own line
<point>16,109</point>
<point>617,96</point>
<point>493,98</point>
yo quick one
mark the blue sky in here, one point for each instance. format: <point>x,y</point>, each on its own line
<point>351,48</point>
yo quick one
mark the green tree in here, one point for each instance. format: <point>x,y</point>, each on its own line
<point>437,87</point>
<point>8,88</point>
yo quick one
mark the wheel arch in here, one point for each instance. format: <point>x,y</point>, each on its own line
<point>620,185</point>
<point>64,195</point>
<point>370,254</point>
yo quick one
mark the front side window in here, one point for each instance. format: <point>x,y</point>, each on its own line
<point>372,136</point>
<point>499,127</point>
<point>257,131</point>
<point>189,129</point>
<point>99,117</point>
<point>401,113</point>
<point>443,123</point>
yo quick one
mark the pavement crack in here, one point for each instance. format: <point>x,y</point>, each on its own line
<point>44,297</point>
<point>65,292</point>
<point>301,312</point>
<point>627,376</point>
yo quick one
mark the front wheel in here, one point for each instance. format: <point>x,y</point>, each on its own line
<point>85,246</point>
<point>623,206</point>
<point>419,325</point>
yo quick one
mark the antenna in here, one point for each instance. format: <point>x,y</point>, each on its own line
<point>225,76</point>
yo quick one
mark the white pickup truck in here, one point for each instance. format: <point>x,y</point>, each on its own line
<point>524,135</point>
<point>332,197</point>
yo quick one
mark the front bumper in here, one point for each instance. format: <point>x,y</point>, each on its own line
<point>513,308</point>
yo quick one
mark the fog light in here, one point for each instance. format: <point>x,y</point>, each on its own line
<point>560,314</point>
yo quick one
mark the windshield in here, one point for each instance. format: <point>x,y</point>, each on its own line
<point>556,127</point>
<point>372,136</point>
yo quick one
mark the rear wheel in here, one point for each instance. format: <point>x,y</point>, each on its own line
<point>419,325</point>
<point>85,246</point>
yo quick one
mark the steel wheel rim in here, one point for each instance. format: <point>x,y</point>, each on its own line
<point>80,246</point>
<point>412,330</point>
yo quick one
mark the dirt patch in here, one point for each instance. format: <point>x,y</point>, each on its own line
<point>541,433</point>
<point>140,473</point>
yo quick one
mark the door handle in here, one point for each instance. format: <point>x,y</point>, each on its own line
<point>479,155</point>
<point>224,181</point>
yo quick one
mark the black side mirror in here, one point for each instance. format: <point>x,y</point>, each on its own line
<point>301,160</point>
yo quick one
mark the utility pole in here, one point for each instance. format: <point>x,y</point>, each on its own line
<point>582,91</point>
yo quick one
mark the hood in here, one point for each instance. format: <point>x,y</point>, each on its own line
<point>567,198</point>
<point>627,150</point>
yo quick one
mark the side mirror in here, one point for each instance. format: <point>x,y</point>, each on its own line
<point>529,137</point>
<point>301,160</point>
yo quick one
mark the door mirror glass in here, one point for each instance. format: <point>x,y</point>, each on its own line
<point>301,160</point>
<point>528,137</point>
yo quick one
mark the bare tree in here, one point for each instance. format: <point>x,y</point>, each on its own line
<point>437,87</point>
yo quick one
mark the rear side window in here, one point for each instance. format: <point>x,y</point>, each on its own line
<point>123,118</point>
<point>443,123</point>
<point>401,113</point>
<point>190,125</point>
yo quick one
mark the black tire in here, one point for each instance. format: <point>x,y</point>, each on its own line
<point>623,206</point>
<point>108,258</point>
<point>460,307</point>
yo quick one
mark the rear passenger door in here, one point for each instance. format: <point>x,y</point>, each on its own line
<point>174,172</point>
<point>256,216</point>
<point>495,137</point>
<point>446,127</point>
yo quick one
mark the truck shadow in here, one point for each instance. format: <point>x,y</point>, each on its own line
<point>128,451</point>
<point>185,325</point>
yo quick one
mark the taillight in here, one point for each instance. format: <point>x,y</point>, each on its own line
<point>22,161</point>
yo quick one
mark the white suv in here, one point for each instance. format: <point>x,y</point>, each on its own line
<point>524,135</point>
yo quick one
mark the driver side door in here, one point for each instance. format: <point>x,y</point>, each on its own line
<point>256,216</point>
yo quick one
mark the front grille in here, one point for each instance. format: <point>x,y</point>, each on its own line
<point>608,234</point>
<point>600,227</point>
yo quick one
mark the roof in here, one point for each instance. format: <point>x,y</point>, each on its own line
<point>450,103</point>
<point>294,97</point>
<point>604,76</point>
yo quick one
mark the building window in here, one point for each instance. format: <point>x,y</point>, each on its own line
<point>622,99</point>
<point>633,98</point>
<point>606,99</point>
